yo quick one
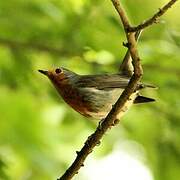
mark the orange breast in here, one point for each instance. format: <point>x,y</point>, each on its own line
<point>72,97</point>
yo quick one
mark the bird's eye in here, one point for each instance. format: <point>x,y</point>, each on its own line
<point>58,70</point>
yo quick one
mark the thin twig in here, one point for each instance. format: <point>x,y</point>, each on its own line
<point>126,66</point>
<point>154,18</point>
<point>130,38</point>
<point>122,15</point>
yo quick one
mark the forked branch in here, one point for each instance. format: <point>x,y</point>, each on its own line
<point>126,99</point>
<point>154,18</point>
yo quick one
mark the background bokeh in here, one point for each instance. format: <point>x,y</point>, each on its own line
<point>39,133</point>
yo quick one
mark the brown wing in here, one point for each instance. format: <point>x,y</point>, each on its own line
<point>103,81</point>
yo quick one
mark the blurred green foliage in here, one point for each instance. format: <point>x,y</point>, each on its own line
<point>39,133</point>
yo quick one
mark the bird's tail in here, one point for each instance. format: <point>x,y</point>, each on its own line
<point>143,99</point>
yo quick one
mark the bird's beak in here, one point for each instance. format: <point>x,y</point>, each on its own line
<point>43,72</point>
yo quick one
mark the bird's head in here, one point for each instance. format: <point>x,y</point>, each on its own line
<point>59,74</point>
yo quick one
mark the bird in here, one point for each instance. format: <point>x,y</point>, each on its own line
<point>92,95</point>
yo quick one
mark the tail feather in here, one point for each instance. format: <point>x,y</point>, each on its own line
<point>143,99</point>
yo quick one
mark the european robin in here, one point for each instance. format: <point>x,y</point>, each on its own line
<point>91,95</point>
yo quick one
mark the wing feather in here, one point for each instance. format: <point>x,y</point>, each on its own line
<point>103,81</point>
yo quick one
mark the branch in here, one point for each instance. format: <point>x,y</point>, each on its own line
<point>121,106</point>
<point>122,14</point>
<point>124,102</point>
<point>126,66</point>
<point>154,18</point>
<point>118,110</point>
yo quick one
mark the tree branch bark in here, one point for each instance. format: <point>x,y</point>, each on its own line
<point>126,66</point>
<point>123,103</point>
<point>154,18</point>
